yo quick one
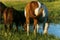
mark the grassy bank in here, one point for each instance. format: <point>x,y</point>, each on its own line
<point>21,35</point>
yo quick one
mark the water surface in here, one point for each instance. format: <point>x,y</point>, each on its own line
<point>53,29</point>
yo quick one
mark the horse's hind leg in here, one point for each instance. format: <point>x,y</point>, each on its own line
<point>5,27</point>
<point>27,24</point>
<point>10,27</point>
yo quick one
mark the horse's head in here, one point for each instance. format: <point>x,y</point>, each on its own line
<point>43,11</point>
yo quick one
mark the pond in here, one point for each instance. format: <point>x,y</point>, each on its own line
<point>53,29</point>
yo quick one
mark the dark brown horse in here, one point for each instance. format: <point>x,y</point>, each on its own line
<point>35,10</point>
<point>11,16</point>
<point>2,8</point>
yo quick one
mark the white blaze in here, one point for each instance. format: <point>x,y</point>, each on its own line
<point>37,9</point>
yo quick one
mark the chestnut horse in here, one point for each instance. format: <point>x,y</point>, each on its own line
<point>36,10</point>
<point>2,8</point>
<point>10,16</point>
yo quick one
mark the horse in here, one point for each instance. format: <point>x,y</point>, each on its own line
<point>2,8</point>
<point>36,10</point>
<point>11,16</point>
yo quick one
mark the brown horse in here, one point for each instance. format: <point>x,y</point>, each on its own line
<point>35,10</point>
<point>11,15</point>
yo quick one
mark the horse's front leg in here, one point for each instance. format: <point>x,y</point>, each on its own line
<point>45,27</point>
<point>35,26</point>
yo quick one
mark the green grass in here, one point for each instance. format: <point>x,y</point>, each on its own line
<point>22,35</point>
